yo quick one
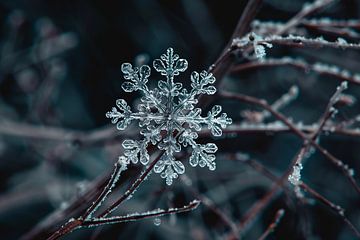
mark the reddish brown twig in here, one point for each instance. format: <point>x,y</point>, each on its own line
<point>262,103</point>
<point>238,129</point>
<point>70,226</point>
<point>339,210</point>
<point>305,12</point>
<point>73,224</point>
<point>320,68</point>
<point>261,169</point>
<point>139,216</point>
<point>278,216</point>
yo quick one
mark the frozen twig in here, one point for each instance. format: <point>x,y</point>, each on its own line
<point>328,22</point>
<point>278,216</point>
<point>278,127</point>
<point>284,100</point>
<point>336,208</point>
<point>262,103</point>
<point>73,224</point>
<point>139,216</point>
<point>320,68</point>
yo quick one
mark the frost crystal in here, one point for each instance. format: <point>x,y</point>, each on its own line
<point>295,176</point>
<point>257,41</point>
<point>167,116</point>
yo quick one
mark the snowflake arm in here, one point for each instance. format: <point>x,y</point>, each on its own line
<point>138,79</point>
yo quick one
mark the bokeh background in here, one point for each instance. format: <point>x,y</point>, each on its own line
<point>60,72</point>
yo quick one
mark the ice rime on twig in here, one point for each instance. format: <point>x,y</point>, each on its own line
<point>94,222</point>
<point>284,100</point>
<point>259,43</point>
<point>295,177</point>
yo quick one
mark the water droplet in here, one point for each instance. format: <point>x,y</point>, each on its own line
<point>157,221</point>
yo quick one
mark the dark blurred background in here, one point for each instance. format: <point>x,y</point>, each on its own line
<point>60,67</point>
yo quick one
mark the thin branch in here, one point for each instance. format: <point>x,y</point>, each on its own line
<point>262,103</point>
<point>339,210</point>
<point>139,216</point>
<point>120,166</point>
<point>300,41</point>
<point>306,11</point>
<point>72,224</point>
<point>132,188</point>
<point>26,130</point>
<point>284,100</point>
<point>327,22</point>
<point>74,208</point>
<point>278,127</point>
<point>278,216</point>
<point>224,61</point>
<point>259,205</point>
<point>320,68</point>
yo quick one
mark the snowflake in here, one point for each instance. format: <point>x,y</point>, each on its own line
<point>167,116</point>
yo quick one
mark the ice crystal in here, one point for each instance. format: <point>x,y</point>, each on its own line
<point>256,41</point>
<point>295,176</point>
<point>167,116</point>
<point>157,221</point>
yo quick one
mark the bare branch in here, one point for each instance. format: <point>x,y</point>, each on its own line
<point>278,216</point>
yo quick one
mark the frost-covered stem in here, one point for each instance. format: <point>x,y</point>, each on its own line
<point>278,127</point>
<point>327,22</point>
<point>135,217</point>
<point>66,228</point>
<point>278,216</point>
<point>337,32</point>
<point>118,168</point>
<point>320,68</point>
<point>261,169</point>
<point>31,131</point>
<point>283,101</point>
<point>295,177</point>
<point>298,41</point>
<point>348,123</point>
<point>262,103</point>
<point>132,188</point>
<point>257,166</point>
<point>245,45</point>
<point>259,205</point>
<point>293,22</point>
<point>73,224</point>
<point>305,12</point>
<point>224,61</point>
<point>338,209</point>
<point>330,110</point>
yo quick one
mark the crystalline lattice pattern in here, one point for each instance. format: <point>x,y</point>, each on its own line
<point>167,116</point>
